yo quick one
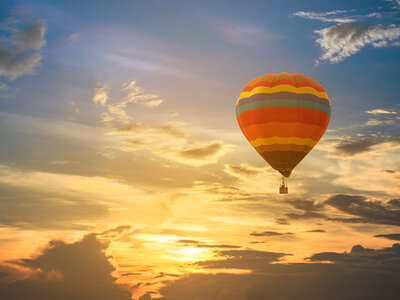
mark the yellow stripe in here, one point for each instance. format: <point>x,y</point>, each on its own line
<point>283,140</point>
<point>283,88</point>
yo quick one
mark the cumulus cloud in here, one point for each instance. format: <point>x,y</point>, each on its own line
<point>79,270</point>
<point>336,16</point>
<point>20,47</point>
<point>360,274</point>
<point>341,41</point>
<point>101,95</point>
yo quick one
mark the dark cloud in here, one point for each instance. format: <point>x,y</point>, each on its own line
<point>354,146</point>
<point>116,230</point>
<point>310,210</point>
<point>360,209</point>
<point>365,210</point>
<point>27,208</point>
<point>20,51</point>
<point>390,236</point>
<point>362,274</point>
<point>316,230</point>
<point>387,259</point>
<point>269,233</point>
<point>31,36</point>
<point>350,146</point>
<point>67,271</point>
<point>242,259</point>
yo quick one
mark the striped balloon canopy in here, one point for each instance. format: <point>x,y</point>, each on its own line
<point>283,117</point>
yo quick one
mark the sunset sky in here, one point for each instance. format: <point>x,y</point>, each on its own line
<point>124,174</point>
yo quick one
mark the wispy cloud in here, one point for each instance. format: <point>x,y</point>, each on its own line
<point>380,111</point>
<point>73,38</point>
<point>336,16</point>
<point>247,34</point>
<point>168,140</point>
<point>20,47</point>
<point>341,41</point>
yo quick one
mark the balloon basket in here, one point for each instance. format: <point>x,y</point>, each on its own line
<point>283,189</point>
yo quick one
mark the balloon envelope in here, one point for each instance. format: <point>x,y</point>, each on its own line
<point>283,117</point>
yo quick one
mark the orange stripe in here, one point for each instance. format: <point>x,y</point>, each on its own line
<point>253,85</point>
<point>283,115</point>
<point>271,129</point>
<point>283,147</point>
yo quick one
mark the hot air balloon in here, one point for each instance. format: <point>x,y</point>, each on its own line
<point>283,117</point>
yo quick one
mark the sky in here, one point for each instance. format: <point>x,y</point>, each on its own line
<point>124,174</point>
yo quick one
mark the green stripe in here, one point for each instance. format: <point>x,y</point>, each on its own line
<point>283,103</point>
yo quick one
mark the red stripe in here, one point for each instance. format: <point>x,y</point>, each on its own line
<point>283,114</point>
<point>248,88</point>
<point>271,129</point>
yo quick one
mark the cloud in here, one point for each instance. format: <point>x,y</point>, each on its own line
<point>365,210</point>
<point>169,140</point>
<point>356,145</point>
<point>28,208</point>
<point>341,41</point>
<point>202,152</point>
<point>247,34</point>
<point>380,111</point>
<point>316,230</point>
<point>363,258</point>
<point>327,16</point>
<point>353,146</point>
<point>242,171</point>
<point>353,209</point>
<point>242,259</point>
<point>31,36</point>
<point>268,233</point>
<point>20,50</point>
<point>310,210</point>
<point>361,274</point>
<point>391,236</point>
<point>199,244</point>
<point>101,95</point>
<point>79,270</point>
<point>73,38</point>
<point>138,95</point>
